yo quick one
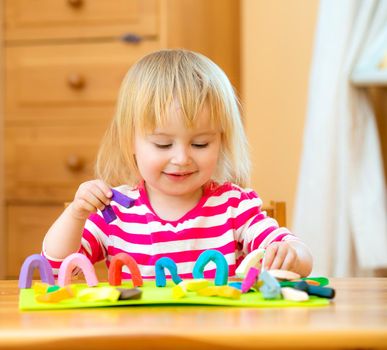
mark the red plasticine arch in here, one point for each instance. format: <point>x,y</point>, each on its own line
<point>77,260</point>
<point>115,270</point>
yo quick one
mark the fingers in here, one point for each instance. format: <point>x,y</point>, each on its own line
<point>280,255</point>
<point>94,197</point>
<point>107,192</point>
<point>95,192</point>
<point>270,254</point>
<point>91,196</point>
<point>289,261</point>
<point>76,272</point>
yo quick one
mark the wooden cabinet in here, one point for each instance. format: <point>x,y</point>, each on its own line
<point>27,225</point>
<point>80,19</point>
<point>64,62</point>
<point>67,83</point>
<point>47,163</point>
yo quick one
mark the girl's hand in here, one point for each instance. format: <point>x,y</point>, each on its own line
<point>281,255</point>
<point>90,196</point>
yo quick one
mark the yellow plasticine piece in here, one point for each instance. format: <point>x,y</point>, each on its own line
<point>220,291</point>
<point>98,294</point>
<point>195,284</point>
<point>178,292</point>
<point>40,288</point>
<point>229,292</point>
<point>258,284</point>
<point>55,297</point>
<point>208,291</point>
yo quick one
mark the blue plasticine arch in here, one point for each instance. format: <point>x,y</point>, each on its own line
<point>221,275</point>
<point>166,263</point>
<point>29,265</point>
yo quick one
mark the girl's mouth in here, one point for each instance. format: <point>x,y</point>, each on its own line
<point>178,176</point>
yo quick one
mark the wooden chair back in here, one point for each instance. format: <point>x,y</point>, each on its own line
<point>277,210</point>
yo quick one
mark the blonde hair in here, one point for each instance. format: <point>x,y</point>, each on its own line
<point>146,93</point>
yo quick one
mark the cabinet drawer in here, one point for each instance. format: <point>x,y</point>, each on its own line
<point>49,163</point>
<point>26,226</point>
<point>45,82</point>
<point>53,19</point>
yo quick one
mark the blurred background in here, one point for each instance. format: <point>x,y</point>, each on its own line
<point>62,63</point>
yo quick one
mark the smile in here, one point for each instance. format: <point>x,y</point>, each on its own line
<point>178,176</point>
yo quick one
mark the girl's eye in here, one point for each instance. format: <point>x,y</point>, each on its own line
<point>162,146</point>
<point>200,145</point>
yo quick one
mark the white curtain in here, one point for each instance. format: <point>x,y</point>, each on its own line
<point>340,209</point>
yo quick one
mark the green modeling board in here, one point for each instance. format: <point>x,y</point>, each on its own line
<point>152,295</point>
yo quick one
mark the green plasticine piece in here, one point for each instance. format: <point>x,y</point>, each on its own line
<point>322,280</point>
<point>51,289</point>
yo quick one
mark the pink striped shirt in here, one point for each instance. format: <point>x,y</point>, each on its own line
<point>227,218</point>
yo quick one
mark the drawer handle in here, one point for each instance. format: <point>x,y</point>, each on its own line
<point>75,3</point>
<point>131,38</point>
<point>76,81</point>
<point>75,163</point>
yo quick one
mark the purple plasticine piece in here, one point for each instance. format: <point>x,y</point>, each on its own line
<point>120,198</point>
<point>108,213</point>
<point>29,265</point>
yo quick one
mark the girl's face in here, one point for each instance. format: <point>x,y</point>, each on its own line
<point>177,161</point>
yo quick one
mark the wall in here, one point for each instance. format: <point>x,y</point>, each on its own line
<point>277,42</point>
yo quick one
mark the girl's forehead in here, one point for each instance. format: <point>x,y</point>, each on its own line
<point>176,118</point>
<point>177,112</point>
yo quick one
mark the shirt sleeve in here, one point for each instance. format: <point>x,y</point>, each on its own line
<point>254,229</point>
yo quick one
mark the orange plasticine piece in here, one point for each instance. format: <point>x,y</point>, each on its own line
<point>312,282</point>
<point>55,297</point>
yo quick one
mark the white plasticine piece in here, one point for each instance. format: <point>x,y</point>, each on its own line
<point>251,260</point>
<point>284,275</point>
<point>292,294</point>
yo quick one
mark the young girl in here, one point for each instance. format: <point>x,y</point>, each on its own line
<point>176,147</point>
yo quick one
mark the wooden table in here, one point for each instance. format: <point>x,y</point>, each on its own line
<point>357,319</point>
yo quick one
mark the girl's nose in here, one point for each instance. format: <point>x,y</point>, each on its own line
<point>181,156</point>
